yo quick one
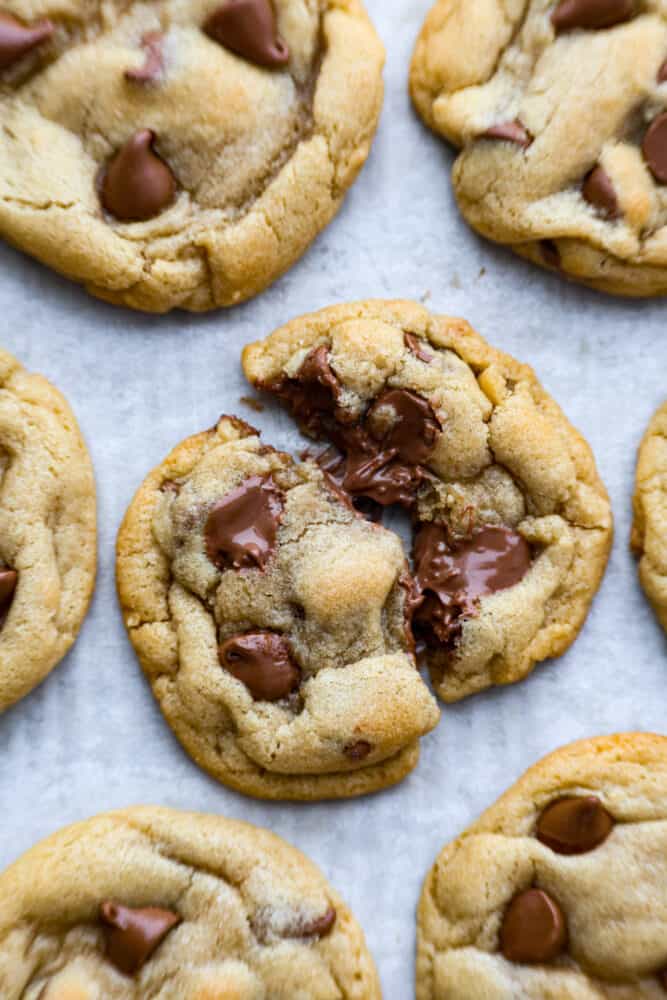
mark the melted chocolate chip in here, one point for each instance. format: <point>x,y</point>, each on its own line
<point>315,391</point>
<point>153,64</point>
<point>533,928</point>
<point>137,184</point>
<point>510,131</point>
<point>241,529</point>
<point>248,28</point>
<point>453,576</point>
<point>415,345</point>
<point>17,39</point>
<point>318,927</point>
<point>574,825</point>
<point>263,662</point>
<point>654,148</point>
<point>550,253</point>
<point>662,72</point>
<point>357,751</point>
<point>598,190</point>
<point>591,14</point>
<point>414,426</point>
<point>8,580</point>
<point>134,934</point>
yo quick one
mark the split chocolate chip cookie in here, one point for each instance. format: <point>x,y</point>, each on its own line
<point>512,524</point>
<point>649,529</point>
<point>560,109</point>
<point>155,903</point>
<point>556,892</point>
<point>272,621</point>
<point>48,548</point>
<point>171,154</point>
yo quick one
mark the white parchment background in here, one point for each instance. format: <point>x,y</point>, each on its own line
<point>91,737</point>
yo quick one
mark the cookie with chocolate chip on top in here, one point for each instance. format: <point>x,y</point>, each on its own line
<point>152,902</point>
<point>559,108</point>
<point>272,621</point>
<point>513,526</point>
<point>556,891</point>
<point>172,155</point>
<point>48,548</point>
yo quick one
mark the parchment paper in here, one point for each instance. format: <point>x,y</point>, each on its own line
<point>91,737</point>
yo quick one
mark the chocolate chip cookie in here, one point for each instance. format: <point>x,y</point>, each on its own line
<point>560,109</point>
<point>512,524</point>
<point>272,621</point>
<point>649,529</point>
<point>181,155</point>
<point>47,529</point>
<point>556,892</point>
<point>151,902</point>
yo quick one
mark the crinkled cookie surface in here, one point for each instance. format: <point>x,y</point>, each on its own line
<point>272,621</point>
<point>155,903</point>
<point>176,153</point>
<point>560,109</point>
<point>512,524</point>
<point>649,530</point>
<point>556,892</point>
<point>48,548</point>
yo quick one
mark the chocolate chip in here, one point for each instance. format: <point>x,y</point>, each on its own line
<point>357,751</point>
<point>662,72</point>
<point>268,924</point>
<point>8,580</point>
<point>242,528</point>
<point>598,190</point>
<point>248,28</point>
<point>134,934</point>
<point>453,575</point>
<point>415,345</point>
<point>137,184</point>
<point>153,64</point>
<point>533,928</point>
<point>17,39</point>
<point>654,148</point>
<point>550,253</point>
<point>414,428</point>
<point>574,825</point>
<point>318,927</point>
<point>510,131</point>
<point>263,662</point>
<point>591,14</point>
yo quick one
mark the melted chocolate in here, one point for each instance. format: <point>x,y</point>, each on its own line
<point>134,934</point>
<point>241,528</point>
<point>414,345</point>
<point>8,580</point>
<point>263,662</point>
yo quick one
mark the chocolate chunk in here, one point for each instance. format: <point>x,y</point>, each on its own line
<point>654,148</point>
<point>241,529</point>
<point>592,14</point>
<point>662,72</point>
<point>598,191</point>
<point>8,580</point>
<point>153,64</point>
<point>414,427</point>
<point>574,825</point>
<point>550,253</point>
<point>17,39</point>
<point>452,576</point>
<point>358,751</point>
<point>248,28</point>
<point>133,935</point>
<point>533,928</point>
<point>510,131</point>
<point>415,345</point>
<point>137,184</point>
<point>263,662</point>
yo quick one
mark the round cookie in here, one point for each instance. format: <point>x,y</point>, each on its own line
<point>556,892</point>
<point>649,529</point>
<point>559,109</point>
<point>151,902</point>
<point>272,621</point>
<point>48,547</point>
<point>513,526</point>
<point>171,154</point>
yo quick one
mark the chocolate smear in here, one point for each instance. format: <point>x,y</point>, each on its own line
<point>241,529</point>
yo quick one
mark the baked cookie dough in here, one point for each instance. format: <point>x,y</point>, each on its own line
<point>513,526</point>
<point>272,621</point>
<point>556,892</point>
<point>151,902</point>
<point>649,529</point>
<point>48,546</point>
<point>560,109</point>
<point>171,154</point>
